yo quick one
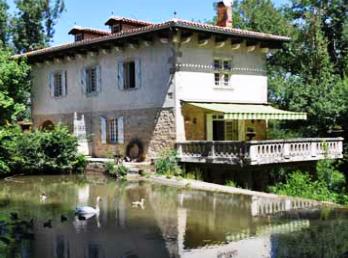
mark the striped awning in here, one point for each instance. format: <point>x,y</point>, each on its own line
<point>250,111</point>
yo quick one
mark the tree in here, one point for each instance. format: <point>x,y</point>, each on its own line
<point>14,87</point>
<point>33,24</point>
<point>4,18</point>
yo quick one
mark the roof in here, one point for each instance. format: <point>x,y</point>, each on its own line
<point>250,111</point>
<point>171,24</point>
<point>77,29</point>
<point>130,21</point>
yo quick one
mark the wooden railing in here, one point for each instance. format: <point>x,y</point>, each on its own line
<point>260,152</point>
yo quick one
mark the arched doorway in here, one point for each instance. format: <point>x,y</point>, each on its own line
<point>47,125</point>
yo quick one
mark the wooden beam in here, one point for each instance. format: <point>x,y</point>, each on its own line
<point>203,39</point>
<point>220,42</point>
<point>236,46</point>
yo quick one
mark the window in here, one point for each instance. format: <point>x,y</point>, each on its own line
<point>79,37</point>
<point>222,72</point>
<point>129,75</point>
<point>113,130</point>
<point>58,84</point>
<point>91,80</point>
<point>116,28</point>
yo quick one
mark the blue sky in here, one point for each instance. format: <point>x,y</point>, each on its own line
<point>94,13</point>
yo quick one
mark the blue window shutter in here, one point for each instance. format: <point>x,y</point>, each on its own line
<point>138,73</point>
<point>120,130</point>
<point>120,75</point>
<point>103,124</point>
<point>65,83</point>
<point>83,80</point>
<point>99,78</point>
<point>51,84</point>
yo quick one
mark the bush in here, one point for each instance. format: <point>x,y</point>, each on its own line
<point>53,151</point>
<point>231,183</point>
<point>119,171</point>
<point>300,184</point>
<point>167,164</point>
<point>196,174</point>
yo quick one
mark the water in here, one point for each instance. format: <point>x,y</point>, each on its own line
<point>173,223</point>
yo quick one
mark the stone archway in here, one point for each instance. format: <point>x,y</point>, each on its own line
<point>135,150</point>
<point>47,125</point>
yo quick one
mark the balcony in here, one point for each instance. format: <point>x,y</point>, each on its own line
<point>260,152</point>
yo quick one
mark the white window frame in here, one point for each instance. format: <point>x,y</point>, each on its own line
<point>113,130</point>
<point>122,74</point>
<point>222,70</point>
<point>85,81</point>
<point>63,91</point>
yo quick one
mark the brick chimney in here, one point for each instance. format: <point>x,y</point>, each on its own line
<point>224,13</point>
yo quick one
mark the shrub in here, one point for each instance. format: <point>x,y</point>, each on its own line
<point>231,183</point>
<point>167,164</point>
<point>196,174</point>
<point>300,184</point>
<point>52,151</point>
<point>119,171</point>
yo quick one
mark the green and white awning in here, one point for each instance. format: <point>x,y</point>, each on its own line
<point>250,111</point>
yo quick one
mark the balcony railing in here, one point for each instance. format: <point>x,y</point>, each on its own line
<point>260,152</point>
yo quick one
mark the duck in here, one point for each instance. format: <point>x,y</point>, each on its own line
<point>48,224</point>
<point>63,218</point>
<point>139,204</point>
<point>14,216</point>
<point>43,197</point>
<point>86,210</point>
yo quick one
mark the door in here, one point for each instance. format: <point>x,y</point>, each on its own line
<point>218,130</point>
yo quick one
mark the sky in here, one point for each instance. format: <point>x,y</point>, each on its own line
<point>94,13</point>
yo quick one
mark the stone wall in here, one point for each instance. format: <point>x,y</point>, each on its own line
<point>154,127</point>
<point>195,123</point>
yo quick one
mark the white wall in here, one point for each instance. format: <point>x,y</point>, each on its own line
<point>248,79</point>
<point>156,80</point>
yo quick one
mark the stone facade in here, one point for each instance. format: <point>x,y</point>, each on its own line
<point>154,128</point>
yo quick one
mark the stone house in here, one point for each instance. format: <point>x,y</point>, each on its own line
<point>143,87</point>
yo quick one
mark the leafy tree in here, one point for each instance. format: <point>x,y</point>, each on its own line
<point>4,18</point>
<point>14,87</point>
<point>33,24</point>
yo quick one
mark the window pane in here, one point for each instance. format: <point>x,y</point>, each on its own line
<point>58,87</point>
<point>113,130</point>
<point>227,65</point>
<point>217,64</point>
<point>217,79</point>
<point>129,75</point>
<point>226,79</point>
<point>91,74</point>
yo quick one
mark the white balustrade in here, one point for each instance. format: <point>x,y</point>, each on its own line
<point>260,152</point>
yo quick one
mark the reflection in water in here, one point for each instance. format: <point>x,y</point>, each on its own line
<point>172,223</point>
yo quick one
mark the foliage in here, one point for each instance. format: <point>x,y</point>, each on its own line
<point>327,172</point>
<point>53,151</point>
<point>33,23</point>
<point>119,171</point>
<point>308,73</point>
<point>14,87</point>
<point>167,164</point>
<point>301,184</point>
<point>276,131</point>
<point>4,18</point>
<point>196,174</point>
<point>231,183</point>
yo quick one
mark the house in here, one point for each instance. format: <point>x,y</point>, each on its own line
<point>143,87</point>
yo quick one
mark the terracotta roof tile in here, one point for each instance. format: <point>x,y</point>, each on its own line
<point>90,30</point>
<point>128,20</point>
<point>195,26</point>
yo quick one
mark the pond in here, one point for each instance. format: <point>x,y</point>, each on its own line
<point>172,222</point>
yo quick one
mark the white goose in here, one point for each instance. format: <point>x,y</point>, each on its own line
<point>87,210</point>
